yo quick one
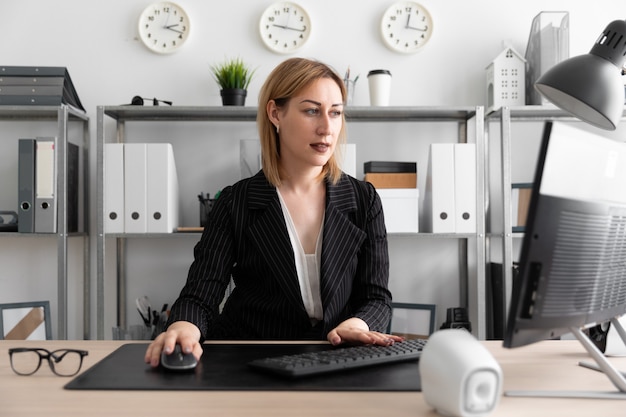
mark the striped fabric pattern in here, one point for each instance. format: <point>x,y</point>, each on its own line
<point>246,237</point>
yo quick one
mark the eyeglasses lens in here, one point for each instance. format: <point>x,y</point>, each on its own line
<point>65,363</point>
<point>25,362</point>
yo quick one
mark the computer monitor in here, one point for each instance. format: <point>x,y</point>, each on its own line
<point>572,270</point>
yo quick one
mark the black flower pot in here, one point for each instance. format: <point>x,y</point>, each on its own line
<point>233,96</point>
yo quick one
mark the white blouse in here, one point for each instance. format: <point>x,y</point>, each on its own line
<point>307,268</point>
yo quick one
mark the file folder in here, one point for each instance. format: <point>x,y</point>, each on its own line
<point>439,197</point>
<point>72,190</point>
<point>26,186</point>
<point>465,187</point>
<point>135,187</point>
<point>162,189</point>
<point>28,77</point>
<point>114,188</point>
<point>45,186</point>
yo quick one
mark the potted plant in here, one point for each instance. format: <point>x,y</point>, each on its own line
<point>233,76</point>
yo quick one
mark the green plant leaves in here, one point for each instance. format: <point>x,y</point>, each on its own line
<point>233,73</point>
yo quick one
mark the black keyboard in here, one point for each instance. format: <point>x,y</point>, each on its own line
<point>313,363</point>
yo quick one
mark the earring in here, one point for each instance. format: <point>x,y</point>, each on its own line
<point>277,129</point>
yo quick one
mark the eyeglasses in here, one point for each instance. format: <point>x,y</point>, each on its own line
<point>63,362</point>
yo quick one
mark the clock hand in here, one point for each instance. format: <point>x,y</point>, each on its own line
<point>170,28</point>
<point>289,28</point>
<point>167,19</point>
<point>419,29</point>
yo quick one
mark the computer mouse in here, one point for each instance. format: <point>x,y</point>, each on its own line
<point>178,360</point>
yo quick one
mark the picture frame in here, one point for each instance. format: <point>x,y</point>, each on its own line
<point>412,320</point>
<point>25,321</point>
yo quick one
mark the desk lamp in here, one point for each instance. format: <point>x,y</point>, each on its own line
<point>590,86</point>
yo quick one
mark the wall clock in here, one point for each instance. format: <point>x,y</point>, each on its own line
<point>164,27</point>
<point>285,27</point>
<point>406,27</point>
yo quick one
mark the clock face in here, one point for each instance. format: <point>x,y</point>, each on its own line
<point>164,27</point>
<point>284,27</point>
<point>406,27</point>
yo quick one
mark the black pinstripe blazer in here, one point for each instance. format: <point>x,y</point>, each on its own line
<point>246,237</point>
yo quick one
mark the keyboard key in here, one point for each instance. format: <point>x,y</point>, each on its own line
<point>333,360</point>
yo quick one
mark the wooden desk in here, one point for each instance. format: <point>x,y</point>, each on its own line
<point>548,365</point>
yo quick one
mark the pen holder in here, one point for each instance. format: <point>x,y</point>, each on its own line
<point>206,205</point>
<point>350,85</point>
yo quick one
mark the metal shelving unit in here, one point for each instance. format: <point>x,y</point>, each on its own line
<point>506,117</point>
<point>470,121</point>
<point>63,115</point>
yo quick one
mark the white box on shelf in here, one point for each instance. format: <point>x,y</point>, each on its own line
<point>400,206</point>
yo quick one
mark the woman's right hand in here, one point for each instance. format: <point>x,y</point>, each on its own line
<point>186,334</point>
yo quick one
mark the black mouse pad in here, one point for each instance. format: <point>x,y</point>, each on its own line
<point>225,367</point>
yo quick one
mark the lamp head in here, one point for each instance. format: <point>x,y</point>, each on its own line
<point>590,86</point>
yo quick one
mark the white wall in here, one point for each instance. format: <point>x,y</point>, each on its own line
<point>98,43</point>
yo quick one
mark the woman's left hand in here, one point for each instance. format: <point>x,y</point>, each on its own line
<point>356,331</point>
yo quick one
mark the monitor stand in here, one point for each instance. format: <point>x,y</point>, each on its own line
<point>602,364</point>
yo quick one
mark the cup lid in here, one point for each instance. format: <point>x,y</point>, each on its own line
<point>379,71</point>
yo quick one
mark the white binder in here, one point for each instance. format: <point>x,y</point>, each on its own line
<point>439,197</point>
<point>465,187</point>
<point>348,160</point>
<point>114,188</point>
<point>135,187</point>
<point>45,186</point>
<point>162,189</point>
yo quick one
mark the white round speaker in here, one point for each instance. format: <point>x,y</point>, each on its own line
<point>459,375</point>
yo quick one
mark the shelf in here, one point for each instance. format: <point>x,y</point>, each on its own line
<point>393,235</point>
<point>246,114</point>
<point>181,113</point>
<point>39,235</point>
<point>506,117</point>
<point>535,113</point>
<point>472,293</point>
<point>62,116</point>
<point>26,113</point>
<point>409,114</point>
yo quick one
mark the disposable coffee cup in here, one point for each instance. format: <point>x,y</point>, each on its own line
<point>380,87</point>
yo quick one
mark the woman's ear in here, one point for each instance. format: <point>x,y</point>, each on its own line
<point>273,113</point>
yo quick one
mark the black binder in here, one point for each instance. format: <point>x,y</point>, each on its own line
<point>37,86</point>
<point>26,185</point>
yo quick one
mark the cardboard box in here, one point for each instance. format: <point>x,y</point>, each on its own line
<point>392,180</point>
<point>400,206</point>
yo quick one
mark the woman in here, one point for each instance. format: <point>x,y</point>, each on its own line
<point>305,244</point>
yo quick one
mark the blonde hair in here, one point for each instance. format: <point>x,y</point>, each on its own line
<point>285,81</point>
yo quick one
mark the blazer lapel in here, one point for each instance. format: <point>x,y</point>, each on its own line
<point>269,232</point>
<point>342,239</point>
